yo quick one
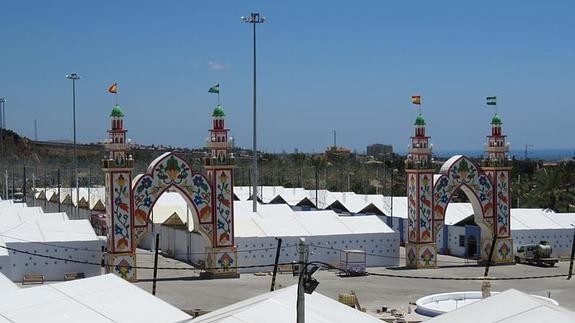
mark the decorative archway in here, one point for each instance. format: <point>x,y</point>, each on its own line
<point>129,204</point>
<point>429,195</point>
<point>169,171</point>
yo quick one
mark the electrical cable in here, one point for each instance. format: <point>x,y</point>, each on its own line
<point>384,256</point>
<point>291,263</point>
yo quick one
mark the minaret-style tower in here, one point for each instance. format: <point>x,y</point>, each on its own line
<point>117,167</point>
<point>219,166</point>
<point>420,149</point>
<point>496,148</point>
<point>420,248</point>
<point>496,166</point>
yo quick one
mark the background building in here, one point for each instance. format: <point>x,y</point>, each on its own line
<point>378,150</point>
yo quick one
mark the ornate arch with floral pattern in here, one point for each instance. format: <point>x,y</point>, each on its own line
<point>169,171</point>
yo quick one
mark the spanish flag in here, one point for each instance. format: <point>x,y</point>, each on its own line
<point>416,99</point>
<point>113,88</point>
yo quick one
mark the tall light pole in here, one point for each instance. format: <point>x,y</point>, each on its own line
<point>254,19</point>
<point>74,77</point>
<point>2,125</point>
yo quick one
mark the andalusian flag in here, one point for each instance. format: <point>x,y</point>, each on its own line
<point>113,88</point>
<point>215,89</point>
<point>416,99</point>
<point>491,100</point>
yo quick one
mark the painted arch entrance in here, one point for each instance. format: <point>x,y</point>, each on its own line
<point>209,196</point>
<point>429,195</point>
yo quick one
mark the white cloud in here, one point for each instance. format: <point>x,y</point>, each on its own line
<point>217,66</point>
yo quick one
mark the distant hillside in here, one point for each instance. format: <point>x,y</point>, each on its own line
<point>16,148</point>
<point>19,150</point>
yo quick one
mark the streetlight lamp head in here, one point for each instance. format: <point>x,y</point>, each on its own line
<point>73,76</point>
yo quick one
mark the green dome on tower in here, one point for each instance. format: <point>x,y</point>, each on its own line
<point>218,111</point>
<point>117,112</point>
<point>419,121</point>
<point>496,119</point>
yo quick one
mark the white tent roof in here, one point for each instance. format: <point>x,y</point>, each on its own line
<point>457,211</point>
<point>6,284</point>
<point>279,306</point>
<point>508,307</point>
<point>96,193</point>
<point>47,231</point>
<point>525,219</point>
<point>566,220</point>
<point>279,220</point>
<point>242,192</point>
<point>20,209</point>
<point>168,204</point>
<point>97,299</point>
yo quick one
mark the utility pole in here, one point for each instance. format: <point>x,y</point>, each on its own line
<point>89,186</point>
<point>6,184</point>
<point>155,277</point>
<point>13,182</point>
<point>572,255</point>
<point>254,19</point>
<point>349,181</point>
<point>276,263</point>
<point>59,200</point>
<point>334,139</point>
<point>45,190</point>
<point>35,129</point>
<point>518,188</point>
<point>391,193</point>
<point>74,77</point>
<point>300,287</point>
<point>24,184</point>
<point>2,121</point>
<point>316,187</point>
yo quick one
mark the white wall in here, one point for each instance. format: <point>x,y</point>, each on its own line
<point>5,267</point>
<point>453,241</point>
<point>560,240</point>
<point>175,242</point>
<point>262,250</point>
<point>53,269</point>
<point>384,248</point>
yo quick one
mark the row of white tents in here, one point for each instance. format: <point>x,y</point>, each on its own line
<point>327,234</point>
<point>109,298</point>
<point>93,198</point>
<point>48,244</point>
<point>527,225</point>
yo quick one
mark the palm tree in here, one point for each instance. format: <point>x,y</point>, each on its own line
<point>551,189</point>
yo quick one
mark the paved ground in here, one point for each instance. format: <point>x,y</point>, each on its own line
<point>184,290</point>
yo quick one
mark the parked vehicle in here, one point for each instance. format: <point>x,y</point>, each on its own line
<point>353,262</point>
<point>538,254</point>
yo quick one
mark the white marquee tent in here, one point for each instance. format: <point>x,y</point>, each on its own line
<point>279,307</point>
<point>508,307</point>
<point>106,298</point>
<point>26,231</point>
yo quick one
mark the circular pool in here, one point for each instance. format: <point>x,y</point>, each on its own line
<point>437,304</point>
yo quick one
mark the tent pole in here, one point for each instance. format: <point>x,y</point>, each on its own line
<point>155,264</point>
<point>276,263</point>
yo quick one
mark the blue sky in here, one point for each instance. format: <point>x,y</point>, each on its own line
<point>322,65</point>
